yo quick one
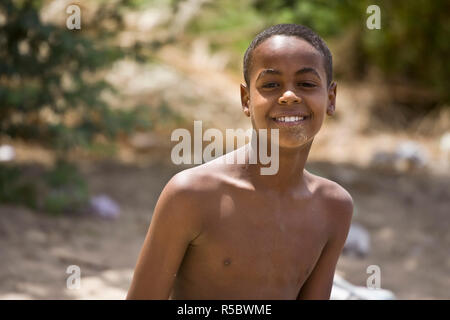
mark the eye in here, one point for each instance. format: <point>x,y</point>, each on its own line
<point>307,84</point>
<point>270,85</point>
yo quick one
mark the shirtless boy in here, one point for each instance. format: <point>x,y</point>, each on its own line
<point>224,231</point>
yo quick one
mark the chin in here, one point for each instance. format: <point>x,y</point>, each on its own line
<point>294,143</point>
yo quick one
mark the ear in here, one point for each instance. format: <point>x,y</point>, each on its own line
<point>331,98</point>
<point>245,99</point>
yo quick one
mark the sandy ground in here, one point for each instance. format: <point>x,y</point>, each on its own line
<point>406,215</point>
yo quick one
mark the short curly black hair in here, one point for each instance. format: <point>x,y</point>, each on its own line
<point>295,30</point>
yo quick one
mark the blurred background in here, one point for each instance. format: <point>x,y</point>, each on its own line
<point>86,117</point>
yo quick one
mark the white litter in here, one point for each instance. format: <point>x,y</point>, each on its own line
<point>105,207</point>
<point>7,153</point>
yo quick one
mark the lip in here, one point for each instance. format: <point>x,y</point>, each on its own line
<point>291,114</point>
<point>291,123</point>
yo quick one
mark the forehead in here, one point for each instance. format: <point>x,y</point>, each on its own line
<point>286,54</point>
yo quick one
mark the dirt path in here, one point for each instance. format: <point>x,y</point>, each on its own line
<point>407,217</point>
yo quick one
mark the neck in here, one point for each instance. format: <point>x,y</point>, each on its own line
<point>290,175</point>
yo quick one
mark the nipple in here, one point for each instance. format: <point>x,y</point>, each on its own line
<point>227,261</point>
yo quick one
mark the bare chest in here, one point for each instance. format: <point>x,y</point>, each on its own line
<point>258,242</point>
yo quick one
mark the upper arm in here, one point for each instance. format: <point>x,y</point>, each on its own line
<point>175,223</point>
<point>319,283</point>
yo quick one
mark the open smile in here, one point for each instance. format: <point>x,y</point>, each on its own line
<point>291,120</point>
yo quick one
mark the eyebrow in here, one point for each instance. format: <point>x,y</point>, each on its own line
<point>277,72</point>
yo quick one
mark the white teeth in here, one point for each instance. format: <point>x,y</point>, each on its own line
<point>290,119</point>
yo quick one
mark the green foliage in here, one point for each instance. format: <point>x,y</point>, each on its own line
<point>13,188</point>
<point>66,189</point>
<point>410,48</point>
<point>49,71</point>
<point>227,24</point>
<point>414,43</point>
<point>52,93</point>
<point>58,190</point>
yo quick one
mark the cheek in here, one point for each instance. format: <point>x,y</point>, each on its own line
<point>318,105</point>
<point>259,107</point>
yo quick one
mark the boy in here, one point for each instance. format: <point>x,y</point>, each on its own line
<point>224,231</point>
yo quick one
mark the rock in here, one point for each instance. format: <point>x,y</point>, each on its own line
<point>105,207</point>
<point>358,241</point>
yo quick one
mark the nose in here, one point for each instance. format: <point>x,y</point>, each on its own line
<point>289,97</point>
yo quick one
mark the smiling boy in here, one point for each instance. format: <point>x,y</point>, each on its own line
<point>224,231</point>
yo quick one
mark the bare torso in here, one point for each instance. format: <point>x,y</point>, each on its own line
<point>254,244</point>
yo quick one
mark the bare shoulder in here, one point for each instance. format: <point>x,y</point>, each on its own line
<point>336,197</point>
<point>336,200</point>
<point>332,194</point>
<point>183,202</point>
<point>196,181</point>
<point>190,189</point>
